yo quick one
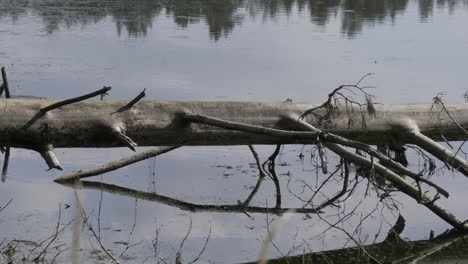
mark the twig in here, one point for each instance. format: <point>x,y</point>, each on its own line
<point>44,250</point>
<point>330,103</point>
<point>353,239</point>
<point>5,87</point>
<point>90,228</point>
<point>440,152</point>
<point>128,246</point>
<point>5,163</point>
<point>53,106</point>
<point>179,252</point>
<point>132,102</point>
<point>5,84</point>
<point>59,104</point>
<point>341,193</point>
<point>203,249</point>
<point>278,224</point>
<point>395,179</point>
<point>6,205</point>
<point>327,138</point>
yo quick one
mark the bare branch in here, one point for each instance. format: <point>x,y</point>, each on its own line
<point>5,86</point>
<point>5,163</point>
<point>59,104</point>
<point>114,165</point>
<point>49,157</point>
<point>132,102</point>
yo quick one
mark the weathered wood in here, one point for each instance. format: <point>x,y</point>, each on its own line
<point>151,123</point>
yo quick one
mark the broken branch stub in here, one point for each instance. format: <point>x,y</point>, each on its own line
<point>5,86</point>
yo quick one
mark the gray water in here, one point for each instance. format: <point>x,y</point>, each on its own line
<point>217,50</point>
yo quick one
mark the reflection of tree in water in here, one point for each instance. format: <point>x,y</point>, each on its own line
<point>136,17</point>
<point>356,13</point>
<point>221,16</point>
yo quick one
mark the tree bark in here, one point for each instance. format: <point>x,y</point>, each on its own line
<point>150,123</point>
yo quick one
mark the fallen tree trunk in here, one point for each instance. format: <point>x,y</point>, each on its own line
<point>151,123</point>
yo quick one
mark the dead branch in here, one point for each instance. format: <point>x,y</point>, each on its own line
<point>48,155</point>
<point>104,90</point>
<point>316,135</point>
<point>80,174</point>
<point>395,179</point>
<point>197,118</point>
<point>331,104</point>
<point>54,237</point>
<point>59,104</point>
<point>440,152</point>
<point>318,190</point>
<point>5,86</point>
<point>350,236</point>
<point>5,163</point>
<point>132,102</point>
<point>343,191</point>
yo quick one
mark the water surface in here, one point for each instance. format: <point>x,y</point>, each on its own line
<point>217,50</point>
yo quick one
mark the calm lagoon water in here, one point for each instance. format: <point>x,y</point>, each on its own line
<point>255,50</point>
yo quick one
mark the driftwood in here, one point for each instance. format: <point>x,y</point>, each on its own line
<point>340,125</point>
<point>150,123</point>
<point>449,247</point>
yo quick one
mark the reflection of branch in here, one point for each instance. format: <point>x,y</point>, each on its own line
<point>128,245</point>
<point>40,257</point>
<point>90,228</point>
<point>261,176</point>
<point>6,205</point>
<point>273,176</point>
<point>179,252</point>
<point>277,225</point>
<point>328,138</point>
<point>182,205</point>
<point>203,249</point>
<point>400,183</point>
<point>341,193</point>
<point>350,236</point>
